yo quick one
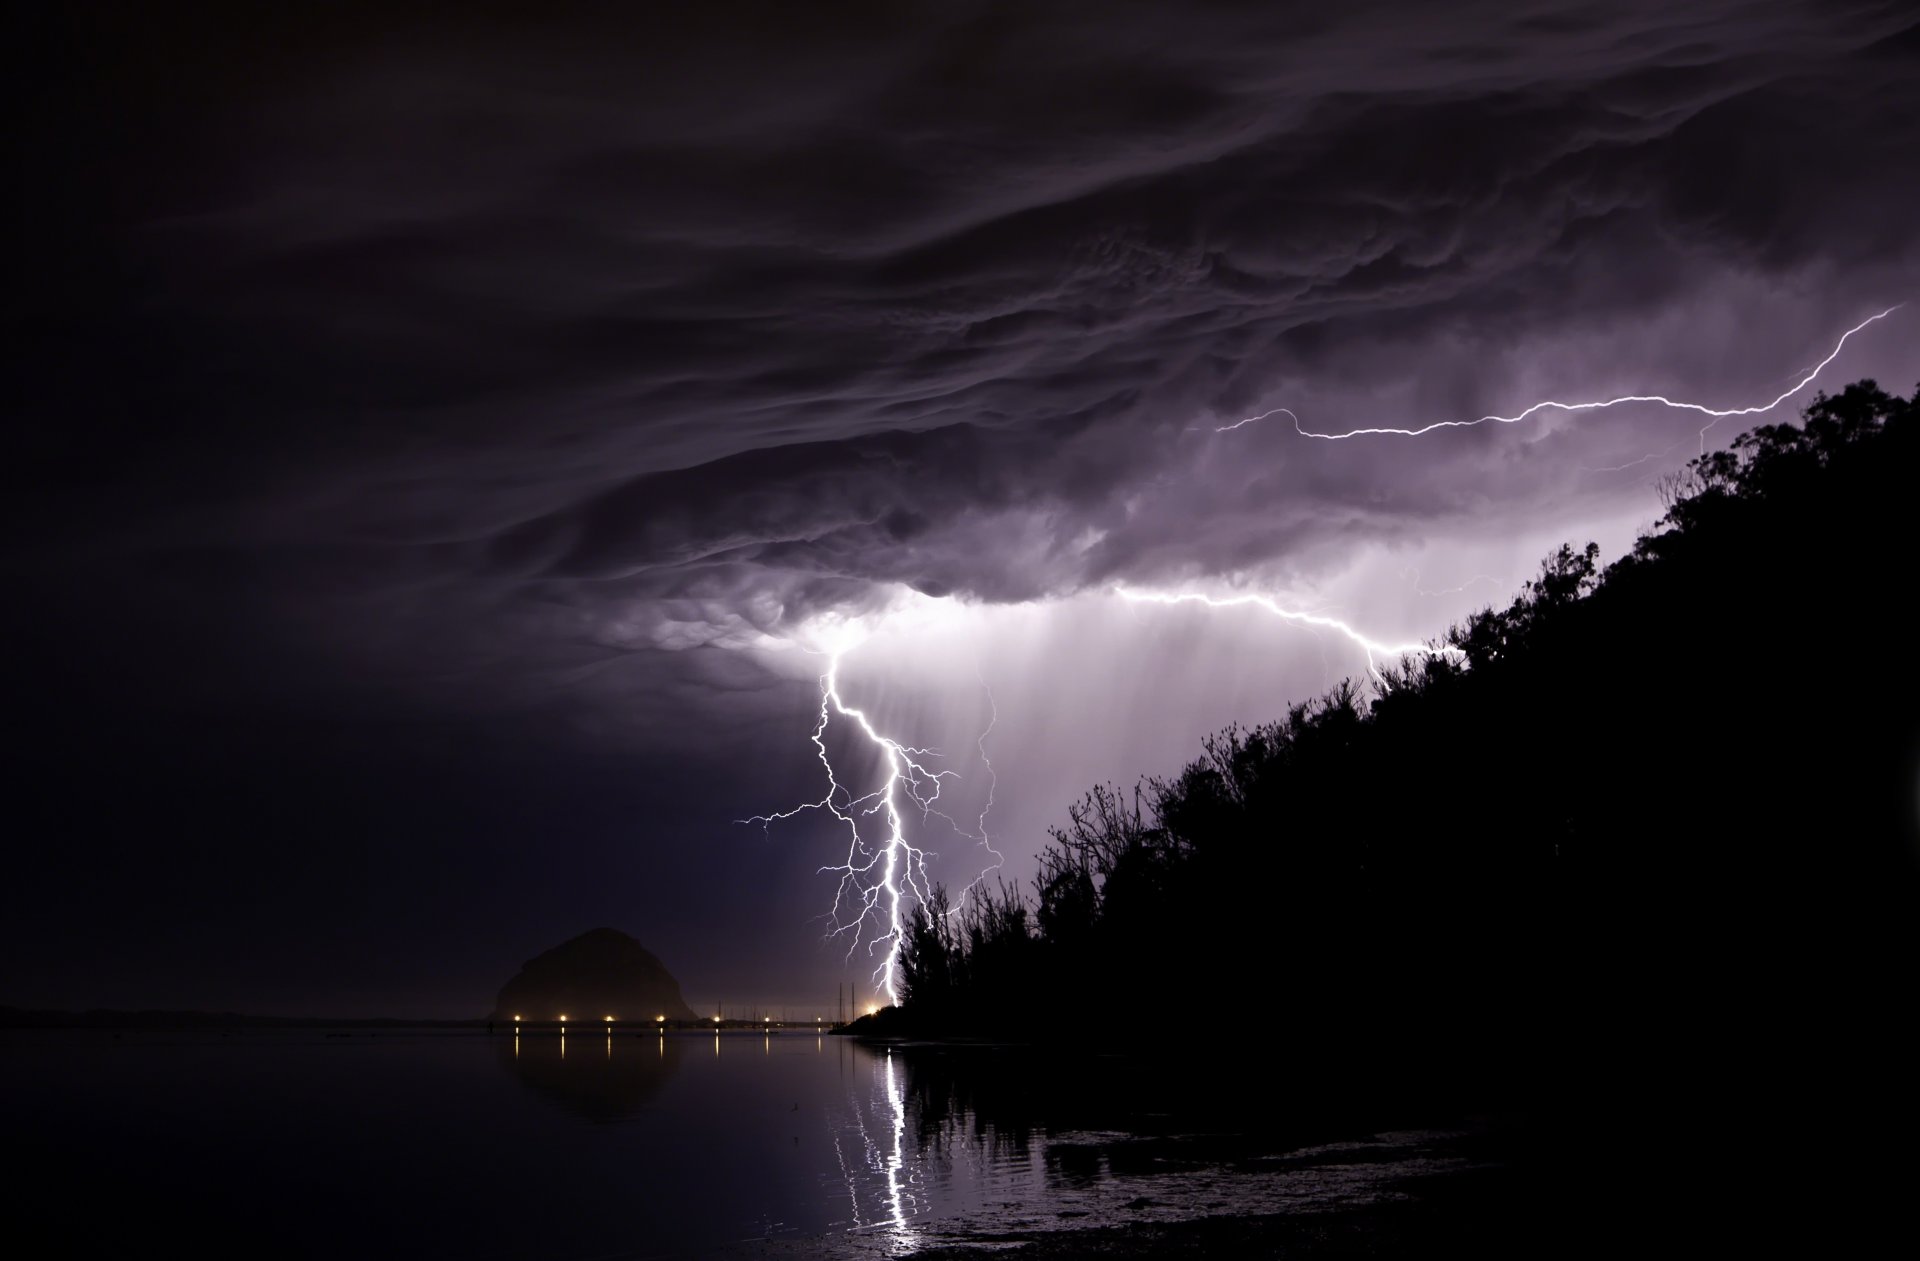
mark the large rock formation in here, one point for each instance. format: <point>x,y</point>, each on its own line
<point>598,974</point>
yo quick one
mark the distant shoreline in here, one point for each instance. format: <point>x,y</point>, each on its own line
<point>157,1018</point>
<point>107,1018</point>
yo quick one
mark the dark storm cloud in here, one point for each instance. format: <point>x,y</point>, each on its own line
<point>503,351</point>
<point>412,409</point>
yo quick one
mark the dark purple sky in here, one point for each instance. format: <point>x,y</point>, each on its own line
<point>431,438</point>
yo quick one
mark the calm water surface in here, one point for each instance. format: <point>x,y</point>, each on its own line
<point>317,1143</point>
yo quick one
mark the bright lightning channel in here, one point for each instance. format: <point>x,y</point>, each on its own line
<point>1374,648</point>
<point>881,879</point>
<point>1716,414</point>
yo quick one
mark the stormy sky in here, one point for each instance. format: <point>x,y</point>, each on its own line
<point>438,437</point>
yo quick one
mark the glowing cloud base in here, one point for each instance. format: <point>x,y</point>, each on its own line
<point>885,872</point>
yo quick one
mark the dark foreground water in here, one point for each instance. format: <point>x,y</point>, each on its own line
<point>349,1143</point>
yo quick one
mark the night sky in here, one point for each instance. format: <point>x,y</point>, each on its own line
<point>436,436</point>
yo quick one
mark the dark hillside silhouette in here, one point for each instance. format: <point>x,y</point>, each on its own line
<point>1641,864</point>
<point>1654,812</point>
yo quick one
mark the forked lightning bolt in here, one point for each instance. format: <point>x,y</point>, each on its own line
<point>1716,414</point>
<point>881,878</point>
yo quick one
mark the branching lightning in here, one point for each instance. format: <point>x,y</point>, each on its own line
<point>1715,414</point>
<point>1648,458</point>
<point>883,878</point>
<point>993,786</point>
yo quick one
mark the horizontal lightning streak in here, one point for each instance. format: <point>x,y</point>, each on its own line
<point>1372,647</point>
<point>1716,413</point>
